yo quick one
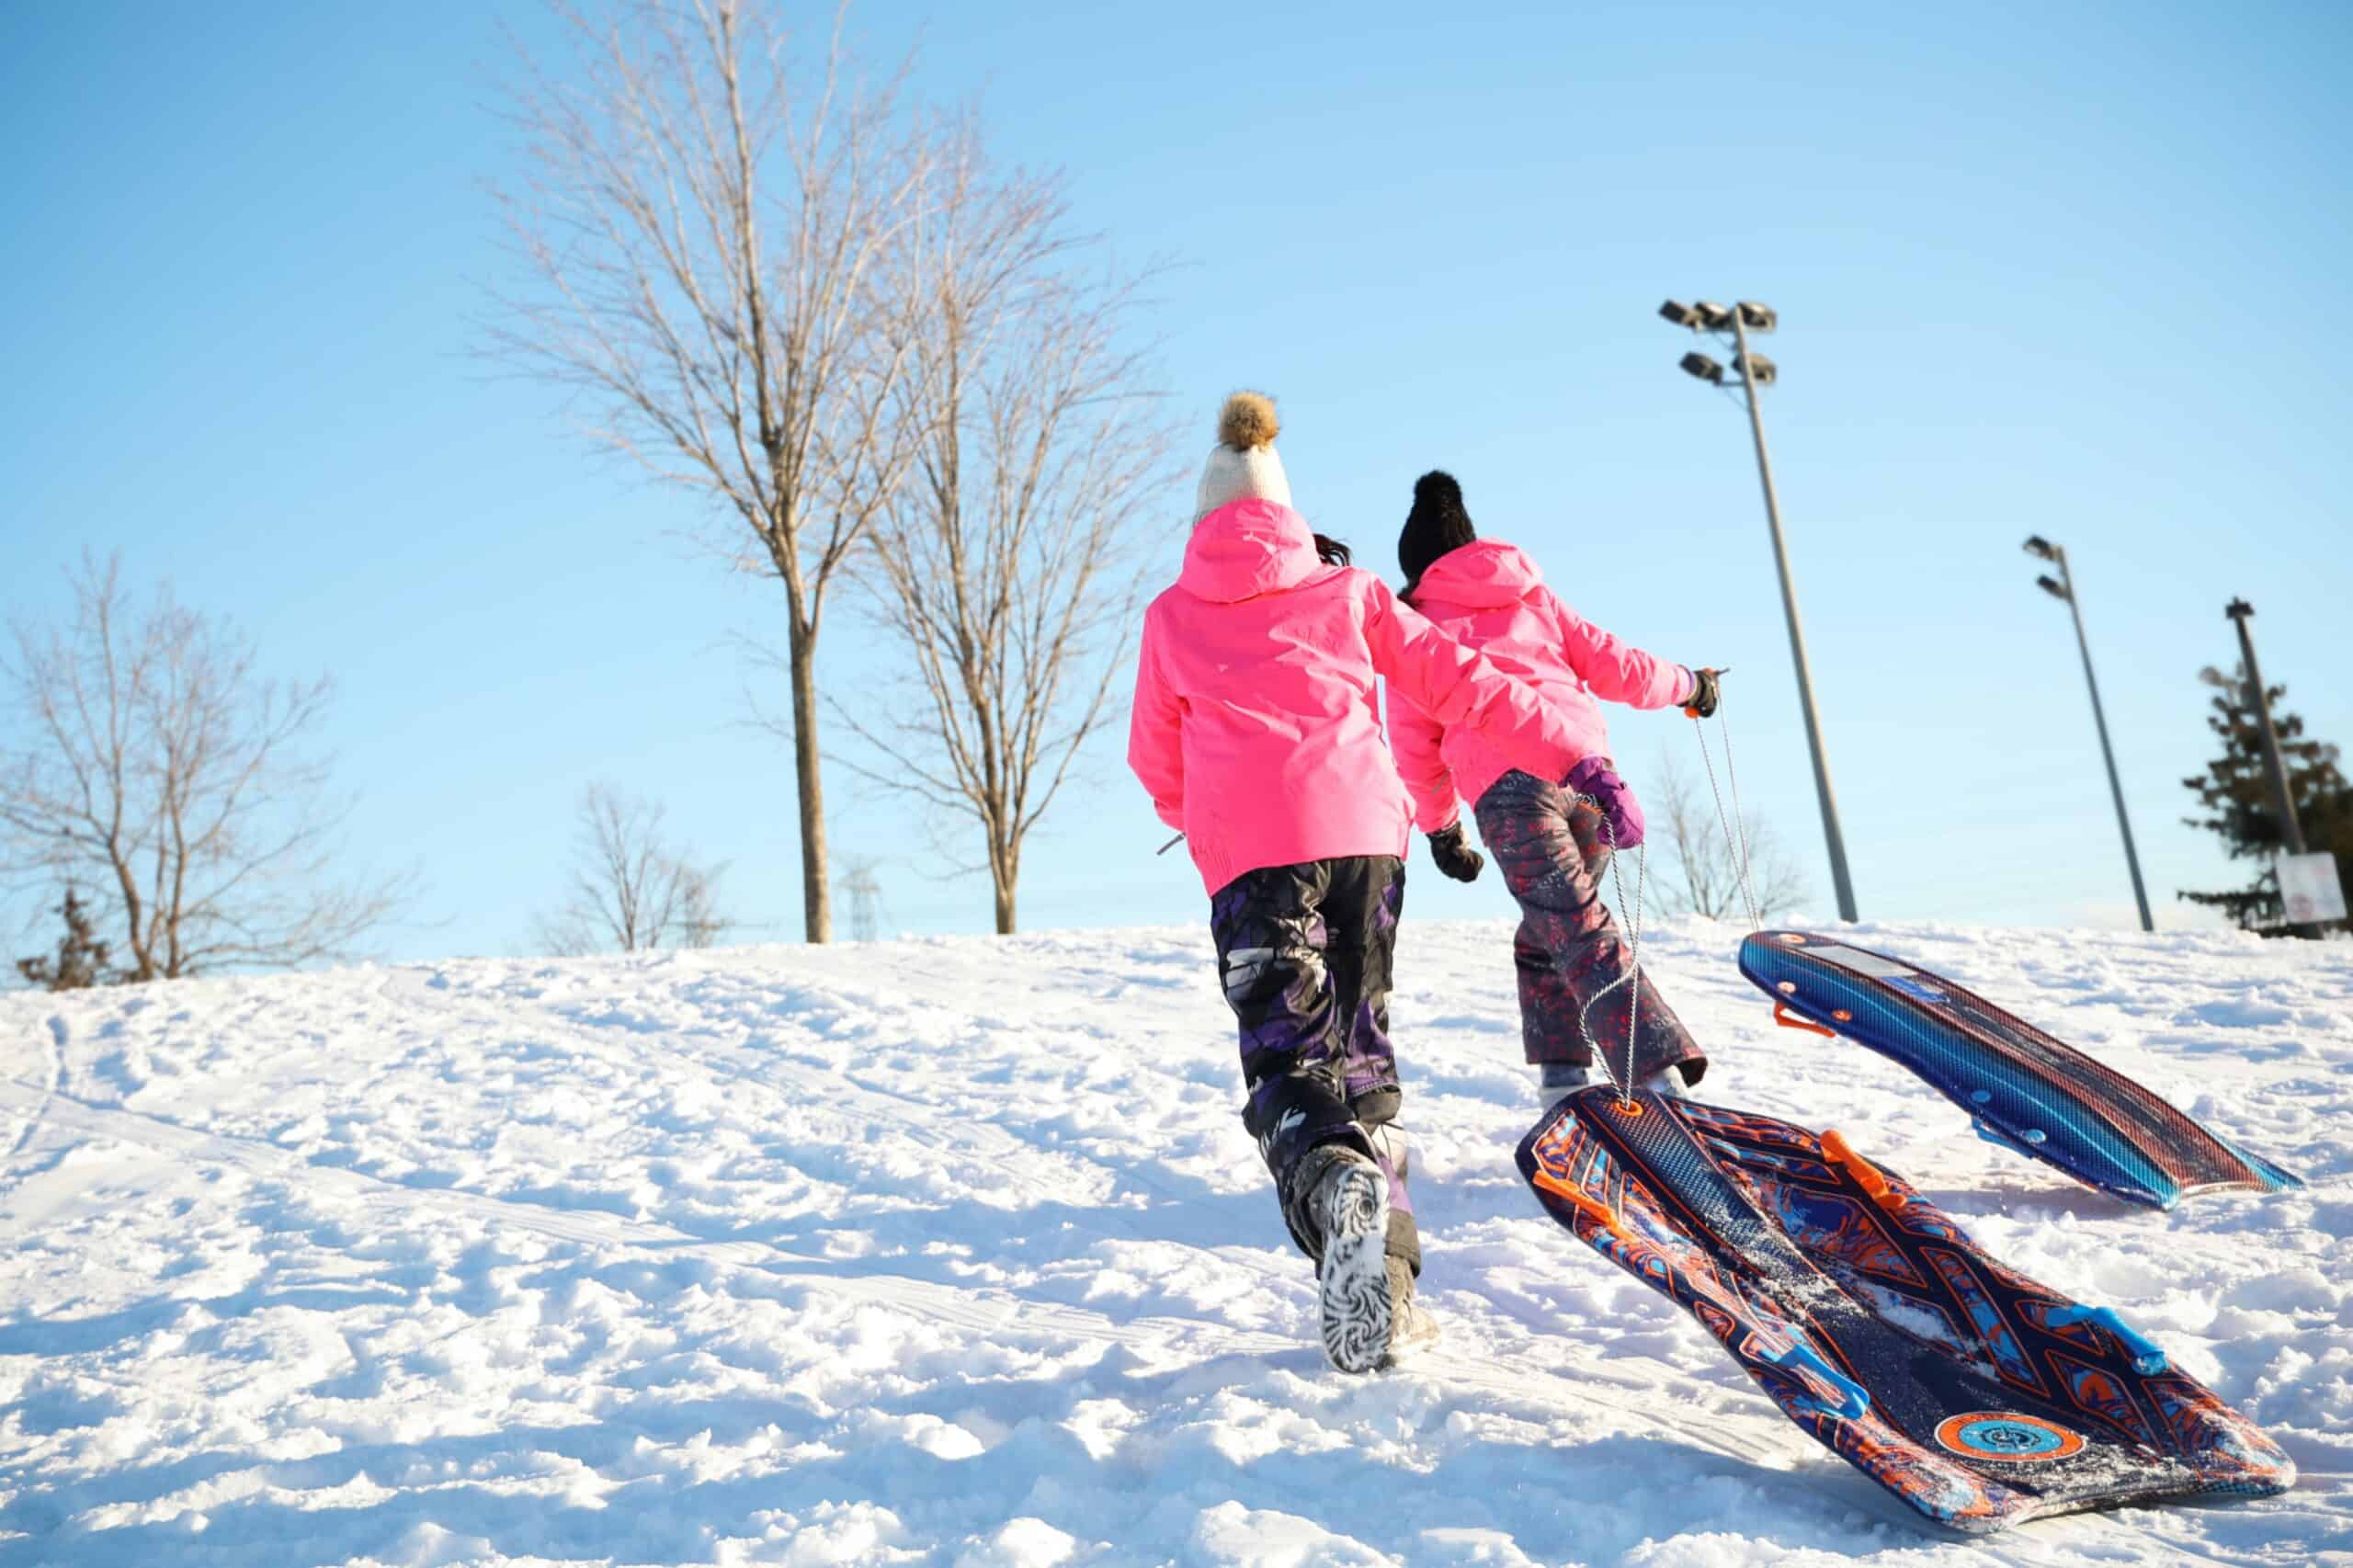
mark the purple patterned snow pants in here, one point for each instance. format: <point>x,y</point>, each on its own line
<point>1547,845</point>
<point>1303,953</point>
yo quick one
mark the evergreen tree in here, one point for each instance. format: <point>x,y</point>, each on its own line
<point>81,961</point>
<point>2235,795</point>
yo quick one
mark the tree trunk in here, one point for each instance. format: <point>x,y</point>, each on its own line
<point>1004,875</point>
<point>816,900</point>
<point>134,913</point>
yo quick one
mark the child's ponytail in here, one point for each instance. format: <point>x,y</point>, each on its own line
<point>1331,551</point>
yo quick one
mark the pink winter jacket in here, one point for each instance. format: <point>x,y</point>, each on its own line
<point>1256,727</point>
<point>1489,595</point>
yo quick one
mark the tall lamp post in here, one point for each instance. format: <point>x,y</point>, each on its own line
<point>1755,370</point>
<point>2292,830</point>
<point>2064,587</point>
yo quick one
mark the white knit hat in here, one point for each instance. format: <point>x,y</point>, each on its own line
<point>1242,464</point>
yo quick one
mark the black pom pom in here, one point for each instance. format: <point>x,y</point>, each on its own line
<point>1438,489</point>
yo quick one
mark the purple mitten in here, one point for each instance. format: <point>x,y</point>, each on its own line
<point>1595,778</point>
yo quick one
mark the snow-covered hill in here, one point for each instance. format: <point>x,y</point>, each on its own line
<point>955,1252</point>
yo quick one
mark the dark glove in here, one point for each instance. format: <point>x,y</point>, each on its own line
<point>1597,781</point>
<point>1454,855</point>
<point>1704,695</point>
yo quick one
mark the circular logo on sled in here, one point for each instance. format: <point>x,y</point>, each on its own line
<point>2013,1439</point>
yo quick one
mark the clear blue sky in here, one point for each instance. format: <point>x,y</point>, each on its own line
<point>2069,270</point>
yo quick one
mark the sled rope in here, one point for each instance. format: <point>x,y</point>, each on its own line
<point>1633,917</point>
<point>1736,843</point>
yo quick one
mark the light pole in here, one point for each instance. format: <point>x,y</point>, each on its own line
<point>2292,830</point>
<point>1756,370</point>
<point>2064,587</point>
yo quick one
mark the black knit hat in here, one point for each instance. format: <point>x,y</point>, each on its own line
<point>1437,524</point>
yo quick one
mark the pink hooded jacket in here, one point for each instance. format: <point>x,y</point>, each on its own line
<point>1490,596</point>
<point>1256,727</point>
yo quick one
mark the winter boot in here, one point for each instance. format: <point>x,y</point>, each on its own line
<point>1667,1084</point>
<point>1554,1080</point>
<point>1346,1202</point>
<point>1411,1327</point>
<point>1557,1080</point>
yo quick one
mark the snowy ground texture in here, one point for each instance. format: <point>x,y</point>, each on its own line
<point>955,1252</point>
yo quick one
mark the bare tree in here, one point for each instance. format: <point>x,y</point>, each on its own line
<point>630,890</point>
<point>701,233</point>
<point>159,769</point>
<point>1001,568</point>
<point>1705,876</point>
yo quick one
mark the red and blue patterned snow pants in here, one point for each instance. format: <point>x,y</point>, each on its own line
<point>1548,844</point>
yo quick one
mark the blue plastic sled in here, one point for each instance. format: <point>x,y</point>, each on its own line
<point>2024,1089</point>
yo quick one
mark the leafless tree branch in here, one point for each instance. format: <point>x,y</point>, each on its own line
<point>1002,568</point>
<point>630,890</point>
<point>161,771</point>
<point>1703,875</point>
<point>703,235</point>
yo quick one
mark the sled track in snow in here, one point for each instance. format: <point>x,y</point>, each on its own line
<point>985,1310</point>
<point>53,1057</point>
<point>727,1182</point>
<point>1594,1383</point>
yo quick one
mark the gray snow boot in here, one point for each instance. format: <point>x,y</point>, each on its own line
<point>1667,1084</point>
<point>1410,1324</point>
<point>1556,1080</point>
<point>1348,1203</point>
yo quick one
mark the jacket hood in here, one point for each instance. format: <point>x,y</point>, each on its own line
<point>1480,575</point>
<point>1247,548</point>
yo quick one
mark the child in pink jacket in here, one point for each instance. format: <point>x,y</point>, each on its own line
<point>1552,841</point>
<point>1256,730</point>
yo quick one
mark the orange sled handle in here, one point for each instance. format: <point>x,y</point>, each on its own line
<point>1789,1020</point>
<point>1591,1207</point>
<point>1867,1176</point>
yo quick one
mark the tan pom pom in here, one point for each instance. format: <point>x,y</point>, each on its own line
<point>1247,421</point>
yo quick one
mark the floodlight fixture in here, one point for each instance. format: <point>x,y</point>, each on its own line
<point>1680,315</point>
<point>2040,547</point>
<point>1756,317</point>
<point>2053,587</point>
<point>1707,369</point>
<point>1759,368</point>
<point>1713,316</point>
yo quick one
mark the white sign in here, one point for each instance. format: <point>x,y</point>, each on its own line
<point>2309,884</point>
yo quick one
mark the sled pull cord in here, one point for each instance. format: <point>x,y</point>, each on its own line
<point>1736,842</point>
<point>1633,916</point>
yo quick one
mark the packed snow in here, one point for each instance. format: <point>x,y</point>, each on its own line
<point>955,1252</point>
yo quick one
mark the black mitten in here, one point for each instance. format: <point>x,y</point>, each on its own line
<point>1454,855</point>
<point>1704,695</point>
